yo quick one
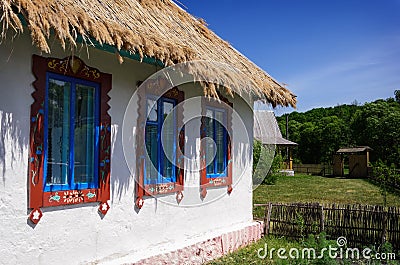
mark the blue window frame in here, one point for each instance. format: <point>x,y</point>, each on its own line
<point>160,139</point>
<point>217,149</point>
<point>71,137</point>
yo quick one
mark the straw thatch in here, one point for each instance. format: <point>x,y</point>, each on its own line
<point>154,28</point>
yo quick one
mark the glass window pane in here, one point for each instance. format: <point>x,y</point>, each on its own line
<point>84,134</point>
<point>219,116</point>
<point>151,110</point>
<point>168,142</point>
<point>58,125</point>
<point>210,145</point>
<point>167,108</point>
<point>219,141</point>
<point>152,154</point>
<point>209,113</point>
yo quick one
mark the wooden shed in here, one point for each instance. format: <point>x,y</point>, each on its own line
<point>358,161</point>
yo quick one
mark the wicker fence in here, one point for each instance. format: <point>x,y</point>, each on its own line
<point>361,225</point>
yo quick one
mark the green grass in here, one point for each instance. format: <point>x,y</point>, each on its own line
<point>248,255</point>
<point>304,188</point>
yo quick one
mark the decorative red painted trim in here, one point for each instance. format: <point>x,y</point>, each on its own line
<point>156,87</point>
<point>75,67</point>
<point>221,181</point>
<point>57,198</point>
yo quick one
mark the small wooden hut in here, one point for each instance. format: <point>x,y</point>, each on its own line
<point>358,161</point>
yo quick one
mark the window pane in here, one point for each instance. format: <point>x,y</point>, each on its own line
<point>58,125</point>
<point>209,113</point>
<point>151,110</point>
<point>151,157</point>
<point>168,142</point>
<point>219,141</point>
<point>84,134</point>
<point>219,116</point>
<point>209,126</point>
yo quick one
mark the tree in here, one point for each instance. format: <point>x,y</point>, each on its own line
<point>377,125</point>
<point>320,132</point>
<point>397,95</point>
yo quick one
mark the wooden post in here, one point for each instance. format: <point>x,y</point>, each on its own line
<point>384,225</point>
<point>288,155</point>
<point>322,218</point>
<point>338,165</point>
<point>267,218</point>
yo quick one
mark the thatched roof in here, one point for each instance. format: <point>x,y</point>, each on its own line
<point>266,129</point>
<point>154,28</point>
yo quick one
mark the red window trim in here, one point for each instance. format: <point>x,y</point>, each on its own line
<point>218,181</point>
<point>155,87</point>
<point>74,67</point>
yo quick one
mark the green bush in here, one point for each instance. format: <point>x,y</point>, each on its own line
<point>387,178</point>
<point>320,244</point>
<point>266,163</point>
<point>270,179</point>
<point>274,173</point>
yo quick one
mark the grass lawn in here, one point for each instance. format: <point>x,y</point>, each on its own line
<point>304,188</point>
<point>249,254</point>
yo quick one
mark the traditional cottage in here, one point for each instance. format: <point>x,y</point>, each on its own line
<point>125,134</point>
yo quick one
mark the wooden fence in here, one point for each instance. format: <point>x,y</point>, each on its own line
<point>361,225</point>
<point>313,169</point>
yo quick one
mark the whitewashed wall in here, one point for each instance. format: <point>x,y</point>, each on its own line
<point>77,234</point>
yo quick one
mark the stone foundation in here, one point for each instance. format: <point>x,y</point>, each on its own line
<point>210,249</point>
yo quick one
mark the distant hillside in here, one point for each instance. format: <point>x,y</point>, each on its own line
<point>321,131</point>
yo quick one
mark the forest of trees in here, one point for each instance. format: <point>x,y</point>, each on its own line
<point>320,132</point>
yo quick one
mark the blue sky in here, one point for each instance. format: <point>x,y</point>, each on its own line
<point>327,52</point>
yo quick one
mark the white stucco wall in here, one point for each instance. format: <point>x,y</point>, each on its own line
<point>77,234</point>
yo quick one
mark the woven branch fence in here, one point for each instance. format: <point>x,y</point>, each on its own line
<point>361,225</point>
